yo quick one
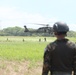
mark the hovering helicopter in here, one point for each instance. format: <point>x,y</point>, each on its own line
<point>45,29</point>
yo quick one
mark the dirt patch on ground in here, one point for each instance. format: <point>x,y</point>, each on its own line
<point>20,68</point>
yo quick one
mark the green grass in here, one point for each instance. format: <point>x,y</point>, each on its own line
<point>31,49</point>
<point>21,50</point>
<point>16,49</point>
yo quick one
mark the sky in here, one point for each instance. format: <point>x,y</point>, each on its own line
<point>23,12</point>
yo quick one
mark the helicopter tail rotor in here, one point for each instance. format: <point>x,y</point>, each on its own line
<point>26,30</point>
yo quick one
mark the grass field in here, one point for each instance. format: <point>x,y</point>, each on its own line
<point>22,55</point>
<point>15,49</point>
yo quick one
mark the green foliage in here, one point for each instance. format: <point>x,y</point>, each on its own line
<point>72,34</point>
<point>13,31</point>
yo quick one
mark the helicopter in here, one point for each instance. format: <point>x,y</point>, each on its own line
<point>45,29</point>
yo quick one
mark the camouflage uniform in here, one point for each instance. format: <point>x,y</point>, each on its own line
<point>59,56</point>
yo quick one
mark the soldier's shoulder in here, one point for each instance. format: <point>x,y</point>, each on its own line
<point>71,44</point>
<point>51,45</point>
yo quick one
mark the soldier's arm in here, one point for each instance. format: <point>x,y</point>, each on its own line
<point>46,61</point>
<point>74,65</point>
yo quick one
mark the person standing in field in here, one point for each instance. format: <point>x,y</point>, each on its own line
<point>60,55</point>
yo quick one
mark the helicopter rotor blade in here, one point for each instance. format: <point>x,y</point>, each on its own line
<point>43,24</point>
<point>39,24</point>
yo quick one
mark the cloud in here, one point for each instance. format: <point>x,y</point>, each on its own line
<point>10,17</point>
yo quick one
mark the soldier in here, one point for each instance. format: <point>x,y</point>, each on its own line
<point>44,39</point>
<point>39,40</point>
<point>60,55</point>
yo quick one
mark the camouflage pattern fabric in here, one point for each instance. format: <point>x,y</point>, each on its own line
<point>47,57</point>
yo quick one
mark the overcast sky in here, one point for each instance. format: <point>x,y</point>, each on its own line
<point>20,12</point>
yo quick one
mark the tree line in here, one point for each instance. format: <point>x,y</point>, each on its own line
<point>18,31</point>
